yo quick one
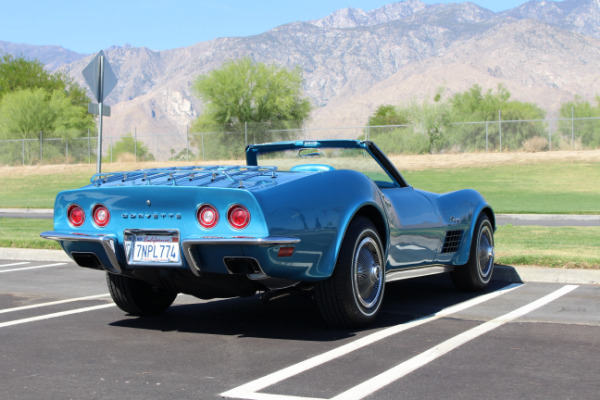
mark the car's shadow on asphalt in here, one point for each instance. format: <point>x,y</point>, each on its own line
<point>296,317</point>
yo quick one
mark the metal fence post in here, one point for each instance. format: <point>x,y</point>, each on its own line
<point>500,127</point>
<point>486,136</point>
<point>549,135</point>
<point>572,129</point>
<point>135,143</point>
<point>187,143</point>
<point>67,150</point>
<point>23,153</point>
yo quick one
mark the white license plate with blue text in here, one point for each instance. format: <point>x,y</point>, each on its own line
<point>155,249</point>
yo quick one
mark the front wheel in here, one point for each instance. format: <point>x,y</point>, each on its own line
<point>137,297</point>
<point>352,296</point>
<point>477,272</point>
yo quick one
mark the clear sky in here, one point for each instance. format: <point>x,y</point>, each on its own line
<point>89,26</point>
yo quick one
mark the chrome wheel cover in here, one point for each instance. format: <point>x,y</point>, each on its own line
<point>485,251</point>
<point>368,274</point>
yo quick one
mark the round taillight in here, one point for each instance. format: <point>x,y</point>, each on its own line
<point>75,215</point>
<point>208,216</point>
<point>238,216</point>
<point>101,215</point>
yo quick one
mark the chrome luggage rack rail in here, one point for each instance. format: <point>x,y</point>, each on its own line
<point>193,175</point>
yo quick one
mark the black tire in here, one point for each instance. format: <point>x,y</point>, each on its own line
<point>137,297</point>
<point>352,296</point>
<point>477,272</point>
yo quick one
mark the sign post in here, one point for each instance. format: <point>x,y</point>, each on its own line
<point>101,79</point>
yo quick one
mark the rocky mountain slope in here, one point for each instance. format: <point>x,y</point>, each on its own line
<point>354,60</point>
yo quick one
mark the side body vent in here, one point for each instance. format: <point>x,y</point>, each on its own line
<point>452,241</point>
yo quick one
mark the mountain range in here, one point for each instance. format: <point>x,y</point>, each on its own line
<point>353,60</point>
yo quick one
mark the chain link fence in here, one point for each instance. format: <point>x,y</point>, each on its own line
<point>229,143</point>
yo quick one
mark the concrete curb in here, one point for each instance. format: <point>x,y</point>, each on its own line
<point>7,253</point>
<point>550,217</point>
<point>520,274</point>
<point>503,273</point>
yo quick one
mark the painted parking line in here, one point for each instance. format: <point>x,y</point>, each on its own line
<point>30,268</point>
<point>15,264</point>
<point>55,315</point>
<point>53,303</point>
<point>250,389</point>
<point>374,384</point>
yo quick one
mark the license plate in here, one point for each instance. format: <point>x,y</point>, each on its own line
<point>153,249</point>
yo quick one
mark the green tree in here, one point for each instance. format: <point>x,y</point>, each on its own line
<point>129,149</point>
<point>390,127</point>
<point>425,130</point>
<point>588,131</point>
<point>60,102</point>
<point>433,120</point>
<point>475,105</point>
<point>245,92</point>
<point>36,114</point>
<point>388,114</point>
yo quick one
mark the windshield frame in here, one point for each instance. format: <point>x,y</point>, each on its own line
<point>253,152</point>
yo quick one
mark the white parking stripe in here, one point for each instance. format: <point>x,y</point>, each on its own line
<point>15,264</point>
<point>52,303</point>
<point>248,390</point>
<point>54,315</point>
<point>372,385</point>
<point>28,268</point>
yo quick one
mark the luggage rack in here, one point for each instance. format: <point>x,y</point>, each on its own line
<point>188,176</point>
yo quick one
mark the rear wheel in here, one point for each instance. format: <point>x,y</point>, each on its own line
<point>477,272</point>
<point>138,297</point>
<point>352,296</point>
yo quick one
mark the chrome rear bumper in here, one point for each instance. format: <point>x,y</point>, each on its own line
<point>108,245</point>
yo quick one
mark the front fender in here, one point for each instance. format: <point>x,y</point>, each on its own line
<point>462,208</point>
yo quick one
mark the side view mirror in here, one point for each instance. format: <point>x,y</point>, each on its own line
<point>309,153</point>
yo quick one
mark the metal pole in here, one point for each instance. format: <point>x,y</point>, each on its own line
<point>187,143</point>
<point>486,136</point>
<point>41,150</point>
<point>23,153</point>
<point>202,139</point>
<point>89,148</point>
<point>549,135</point>
<point>101,97</point>
<point>500,128</point>
<point>135,142</point>
<point>246,133</point>
<point>67,149</point>
<point>572,129</point>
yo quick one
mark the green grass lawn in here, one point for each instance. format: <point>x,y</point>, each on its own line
<point>545,188</point>
<point>565,247</point>
<point>40,190</point>
<point>25,233</point>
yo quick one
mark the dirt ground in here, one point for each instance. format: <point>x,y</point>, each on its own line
<point>403,162</point>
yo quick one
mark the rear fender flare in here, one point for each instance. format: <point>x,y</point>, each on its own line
<point>376,215</point>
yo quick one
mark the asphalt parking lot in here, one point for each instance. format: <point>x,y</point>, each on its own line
<point>62,338</point>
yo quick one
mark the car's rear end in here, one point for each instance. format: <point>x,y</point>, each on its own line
<point>200,220</point>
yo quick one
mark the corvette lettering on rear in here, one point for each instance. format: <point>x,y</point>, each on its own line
<point>151,216</point>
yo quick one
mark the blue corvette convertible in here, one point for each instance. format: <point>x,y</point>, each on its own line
<point>333,218</point>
